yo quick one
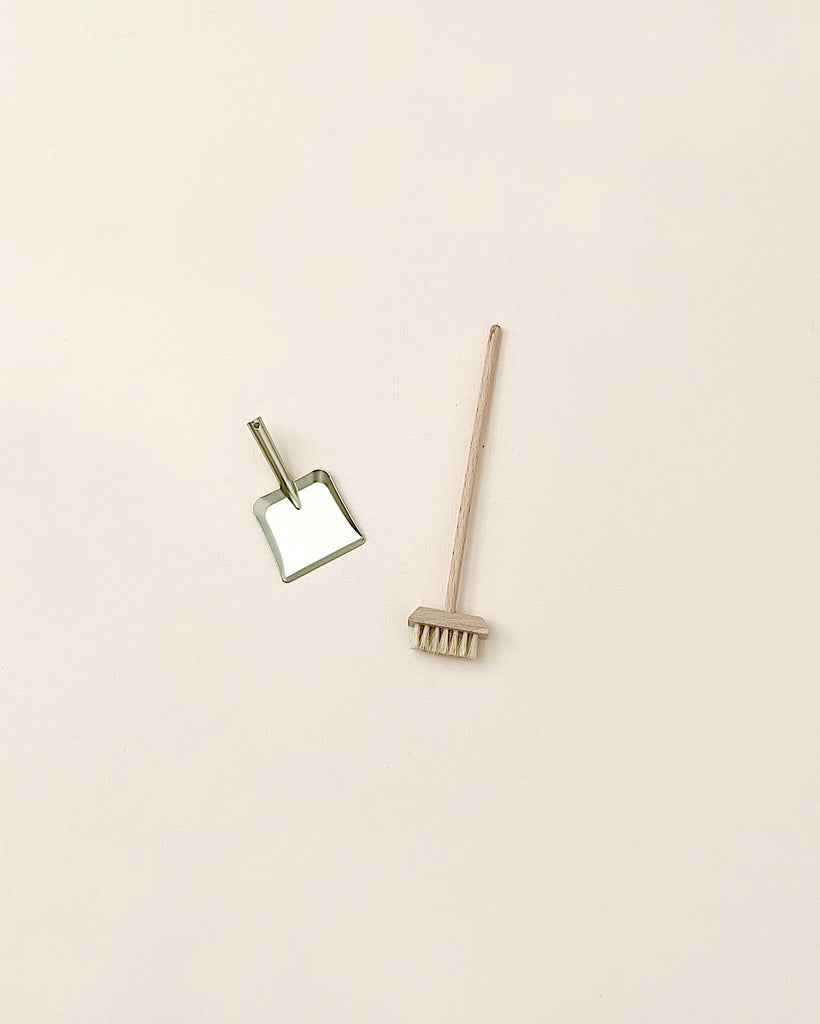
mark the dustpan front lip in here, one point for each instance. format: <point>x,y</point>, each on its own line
<point>322,561</point>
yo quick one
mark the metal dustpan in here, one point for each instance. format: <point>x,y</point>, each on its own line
<point>306,522</point>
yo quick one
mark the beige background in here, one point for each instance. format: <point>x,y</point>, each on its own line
<point>225,799</point>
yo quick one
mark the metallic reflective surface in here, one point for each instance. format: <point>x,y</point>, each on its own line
<point>265,441</point>
<point>304,538</point>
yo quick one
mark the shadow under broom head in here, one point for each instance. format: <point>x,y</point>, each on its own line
<point>447,631</point>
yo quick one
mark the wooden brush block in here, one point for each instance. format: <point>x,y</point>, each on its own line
<point>449,620</point>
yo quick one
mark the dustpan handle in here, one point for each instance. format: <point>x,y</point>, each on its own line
<point>265,442</point>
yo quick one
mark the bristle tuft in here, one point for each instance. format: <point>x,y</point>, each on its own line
<point>457,643</point>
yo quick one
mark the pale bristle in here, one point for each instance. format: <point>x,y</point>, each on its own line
<point>441,640</point>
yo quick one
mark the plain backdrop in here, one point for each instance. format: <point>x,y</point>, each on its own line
<point>225,799</point>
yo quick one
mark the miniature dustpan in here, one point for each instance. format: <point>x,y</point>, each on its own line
<point>306,522</point>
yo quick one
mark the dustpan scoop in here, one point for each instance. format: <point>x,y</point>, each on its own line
<point>305,521</point>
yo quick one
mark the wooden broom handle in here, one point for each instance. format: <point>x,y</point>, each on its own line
<point>487,376</point>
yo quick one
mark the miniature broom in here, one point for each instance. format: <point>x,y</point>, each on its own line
<point>448,631</point>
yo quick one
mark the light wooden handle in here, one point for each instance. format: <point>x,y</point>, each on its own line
<point>487,376</point>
